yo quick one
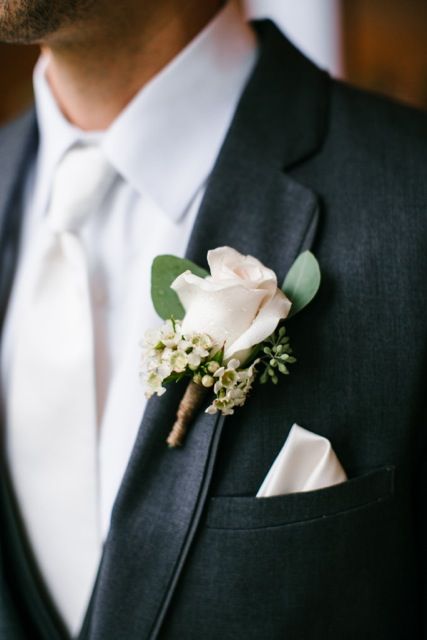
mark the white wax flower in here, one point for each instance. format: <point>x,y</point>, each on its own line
<point>239,305</point>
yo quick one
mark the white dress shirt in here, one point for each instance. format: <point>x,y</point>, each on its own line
<point>163,146</point>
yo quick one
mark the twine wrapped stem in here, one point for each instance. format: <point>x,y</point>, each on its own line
<point>189,405</point>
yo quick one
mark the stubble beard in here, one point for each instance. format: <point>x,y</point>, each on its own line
<point>33,21</point>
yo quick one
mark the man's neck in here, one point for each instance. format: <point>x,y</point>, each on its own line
<point>96,71</point>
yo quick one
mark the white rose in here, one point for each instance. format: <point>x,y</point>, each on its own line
<point>238,305</point>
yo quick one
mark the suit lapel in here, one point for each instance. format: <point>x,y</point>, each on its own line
<point>250,203</point>
<point>253,206</point>
<point>18,144</point>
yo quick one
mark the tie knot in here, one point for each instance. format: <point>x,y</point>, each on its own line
<point>80,182</point>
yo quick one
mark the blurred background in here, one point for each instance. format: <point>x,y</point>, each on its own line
<point>377,44</point>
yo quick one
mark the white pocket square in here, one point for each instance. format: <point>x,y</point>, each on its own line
<point>306,462</point>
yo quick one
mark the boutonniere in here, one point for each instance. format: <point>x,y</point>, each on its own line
<point>222,330</point>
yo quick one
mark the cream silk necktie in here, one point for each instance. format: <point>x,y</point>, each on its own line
<point>51,412</point>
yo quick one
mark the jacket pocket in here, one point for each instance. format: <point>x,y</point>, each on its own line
<point>226,512</point>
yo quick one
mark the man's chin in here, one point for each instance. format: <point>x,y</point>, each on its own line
<point>23,21</point>
<point>33,21</point>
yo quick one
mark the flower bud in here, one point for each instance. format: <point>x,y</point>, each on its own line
<point>212,366</point>
<point>208,381</point>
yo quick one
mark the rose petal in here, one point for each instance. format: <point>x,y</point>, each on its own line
<point>262,327</point>
<point>222,311</point>
<point>226,263</point>
<point>238,306</point>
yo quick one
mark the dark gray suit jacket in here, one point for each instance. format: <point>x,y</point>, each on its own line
<point>192,555</point>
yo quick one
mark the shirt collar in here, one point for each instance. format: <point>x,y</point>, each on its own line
<point>165,142</point>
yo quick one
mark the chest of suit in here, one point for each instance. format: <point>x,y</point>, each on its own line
<point>191,552</point>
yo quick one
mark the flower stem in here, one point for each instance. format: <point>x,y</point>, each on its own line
<point>190,403</point>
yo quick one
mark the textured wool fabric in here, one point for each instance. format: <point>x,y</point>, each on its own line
<point>308,162</point>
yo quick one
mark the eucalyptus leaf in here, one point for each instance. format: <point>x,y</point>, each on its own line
<point>164,271</point>
<point>302,282</point>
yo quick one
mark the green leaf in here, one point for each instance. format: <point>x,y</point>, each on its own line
<point>163,272</point>
<point>218,357</point>
<point>302,282</point>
